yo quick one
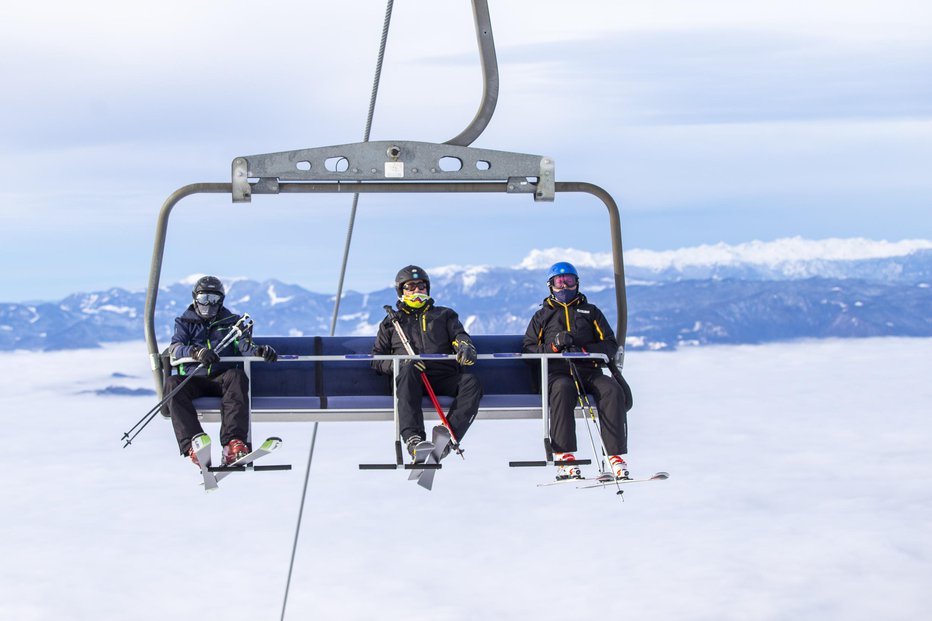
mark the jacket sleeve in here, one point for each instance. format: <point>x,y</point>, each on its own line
<point>456,330</point>
<point>607,344</point>
<point>383,346</point>
<point>531,343</point>
<point>181,344</point>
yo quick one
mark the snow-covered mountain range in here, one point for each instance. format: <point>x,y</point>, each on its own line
<point>747,293</point>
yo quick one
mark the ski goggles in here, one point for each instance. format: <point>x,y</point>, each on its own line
<point>208,298</point>
<point>415,285</point>
<point>564,281</point>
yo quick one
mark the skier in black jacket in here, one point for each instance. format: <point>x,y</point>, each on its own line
<point>202,325</point>
<point>431,330</point>
<point>568,322</point>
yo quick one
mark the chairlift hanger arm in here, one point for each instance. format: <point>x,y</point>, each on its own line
<point>490,80</point>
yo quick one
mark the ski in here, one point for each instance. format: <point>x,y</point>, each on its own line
<point>201,446</point>
<point>441,438</point>
<point>564,481</point>
<point>422,452</point>
<point>267,447</point>
<point>605,480</point>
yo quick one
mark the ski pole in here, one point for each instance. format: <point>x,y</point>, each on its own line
<point>392,315</point>
<point>235,332</point>
<point>584,398</point>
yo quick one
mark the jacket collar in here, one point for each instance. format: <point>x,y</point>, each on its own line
<point>552,303</point>
<point>414,311</point>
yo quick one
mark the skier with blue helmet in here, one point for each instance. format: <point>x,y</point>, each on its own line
<point>567,321</point>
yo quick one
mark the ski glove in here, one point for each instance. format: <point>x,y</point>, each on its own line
<point>465,353</point>
<point>563,341</point>
<point>268,354</point>
<point>204,355</point>
<point>419,365</point>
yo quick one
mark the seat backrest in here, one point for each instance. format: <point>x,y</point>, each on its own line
<point>351,378</point>
<point>294,379</point>
<point>284,378</point>
<point>503,376</point>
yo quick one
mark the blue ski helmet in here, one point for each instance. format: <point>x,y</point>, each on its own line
<point>561,268</point>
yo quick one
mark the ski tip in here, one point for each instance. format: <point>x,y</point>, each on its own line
<point>660,476</point>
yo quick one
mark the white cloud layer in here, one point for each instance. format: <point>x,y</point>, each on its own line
<point>799,490</point>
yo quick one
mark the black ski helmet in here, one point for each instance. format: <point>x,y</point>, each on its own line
<point>208,285</point>
<point>411,272</point>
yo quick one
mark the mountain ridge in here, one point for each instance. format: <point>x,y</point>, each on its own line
<point>881,290</point>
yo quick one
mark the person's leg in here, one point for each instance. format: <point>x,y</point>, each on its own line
<point>184,416</point>
<point>234,405</point>
<point>410,391</point>
<point>563,401</point>
<point>466,392</point>
<point>610,400</point>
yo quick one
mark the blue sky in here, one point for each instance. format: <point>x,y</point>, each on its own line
<point>715,121</point>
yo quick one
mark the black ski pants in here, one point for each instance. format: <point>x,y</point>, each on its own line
<point>463,387</point>
<point>609,399</point>
<point>232,386</point>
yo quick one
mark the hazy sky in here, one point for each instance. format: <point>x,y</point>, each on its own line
<point>707,121</point>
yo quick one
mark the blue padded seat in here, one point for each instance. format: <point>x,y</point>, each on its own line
<point>354,385</point>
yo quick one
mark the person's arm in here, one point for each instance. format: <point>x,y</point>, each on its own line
<point>461,342</point>
<point>606,342</point>
<point>533,336</point>
<point>382,347</point>
<point>456,330</point>
<point>181,345</point>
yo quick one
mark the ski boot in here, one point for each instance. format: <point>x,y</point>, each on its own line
<point>234,449</point>
<point>568,471</point>
<point>411,444</point>
<point>619,466</point>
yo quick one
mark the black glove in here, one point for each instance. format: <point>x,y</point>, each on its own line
<point>268,354</point>
<point>465,353</point>
<point>204,355</point>
<point>563,341</point>
<point>419,365</point>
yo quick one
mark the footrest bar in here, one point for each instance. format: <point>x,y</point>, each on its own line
<point>525,464</point>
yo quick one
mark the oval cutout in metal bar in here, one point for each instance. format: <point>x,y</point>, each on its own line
<point>450,164</point>
<point>336,164</point>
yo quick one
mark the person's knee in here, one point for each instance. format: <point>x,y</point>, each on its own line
<point>471,385</point>
<point>236,377</point>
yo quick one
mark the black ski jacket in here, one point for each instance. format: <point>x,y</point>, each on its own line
<point>430,330</point>
<point>584,321</point>
<point>192,331</point>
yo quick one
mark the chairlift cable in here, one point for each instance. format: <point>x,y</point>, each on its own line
<point>336,305</point>
<point>352,218</point>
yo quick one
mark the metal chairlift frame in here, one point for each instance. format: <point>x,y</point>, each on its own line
<point>395,167</point>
